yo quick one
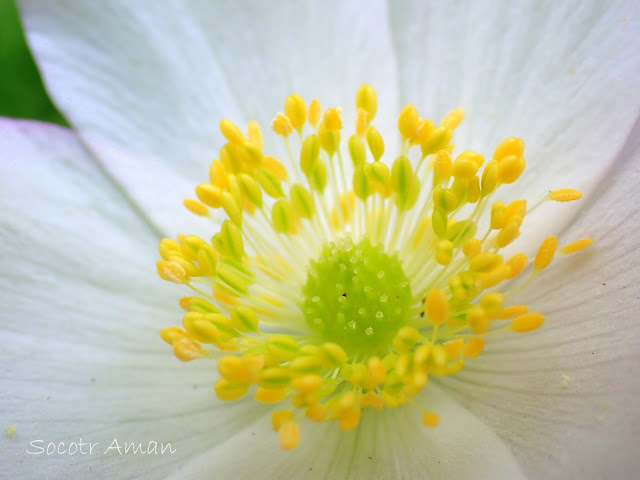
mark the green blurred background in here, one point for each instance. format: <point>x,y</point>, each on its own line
<point>22,94</point>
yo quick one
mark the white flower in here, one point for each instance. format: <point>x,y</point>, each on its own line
<point>82,211</point>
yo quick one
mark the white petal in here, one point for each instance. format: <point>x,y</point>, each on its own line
<point>566,395</point>
<point>81,307</point>
<point>156,81</point>
<point>561,76</point>
<point>387,445</point>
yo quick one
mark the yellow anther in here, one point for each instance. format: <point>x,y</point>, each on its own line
<point>172,271</point>
<point>234,369</point>
<point>318,177</point>
<point>545,253</point>
<point>296,111</point>
<point>269,183</point>
<point>357,150</point>
<point>473,347</point>
<point>317,413</point>
<point>362,122</point>
<point>252,157</point>
<point>472,246</point>
<point>485,262</point>
<point>492,303</point>
<point>453,348</point>
<point>301,400</point>
<point>376,373</point>
<point>347,401</point>
<point>489,180</point>
<point>254,133</point>
<point>282,125</point>
<point>439,223</point>
<point>283,217</point>
<point>306,365</point>
<point>513,311</point>
<point>309,153</point>
<point>421,355</point>
<point>565,195</point>
<point>453,119</point>
<point>509,232</point>
<point>267,396</point>
<point>473,190</point>
<point>172,334</point>
<point>275,167</point>
<point>289,435</point>
<point>401,175</point>
<point>333,355</point>
<point>218,174</point>
<point>231,132</point>
<point>438,356</point>
<point>444,252</point>
<point>207,260</point>
<point>527,322</point>
<point>444,199</point>
<point>350,419</point>
<point>234,189</point>
<point>229,391</point>
<point>425,127</point>
<point>329,139</point>
<point>302,201</point>
<point>314,112</point>
<point>209,195</point>
<point>495,276</point>
<point>442,167</point>
<point>196,207</point>
<point>498,218</point>
<point>478,320</point>
<point>332,119</point>
<point>250,189</point>
<point>517,263</point>
<point>228,242</point>
<point>224,327</point>
<point>280,417</point>
<point>274,378</point>
<point>307,383</point>
<point>408,122</point>
<point>517,208</point>
<point>244,319</point>
<point>576,246</point>
<point>197,304</point>
<point>282,347</point>
<point>168,247</point>
<point>430,419</point>
<point>437,140</point>
<point>402,367</point>
<point>189,246</point>
<point>510,168</point>
<point>466,165</point>
<point>367,99</point>
<point>375,142</point>
<point>187,349</point>
<point>231,207</point>
<point>393,399</point>
<point>362,184</point>
<point>405,339</point>
<point>507,147</point>
<point>436,306</point>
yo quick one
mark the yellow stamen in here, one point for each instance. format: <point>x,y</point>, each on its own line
<point>350,279</point>
<point>576,246</point>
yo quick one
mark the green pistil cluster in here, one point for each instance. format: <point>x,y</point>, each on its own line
<point>357,296</point>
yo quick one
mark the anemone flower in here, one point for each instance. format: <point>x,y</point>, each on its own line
<point>144,90</point>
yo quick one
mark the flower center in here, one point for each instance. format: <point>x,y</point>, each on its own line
<point>356,296</point>
<point>335,287</point>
